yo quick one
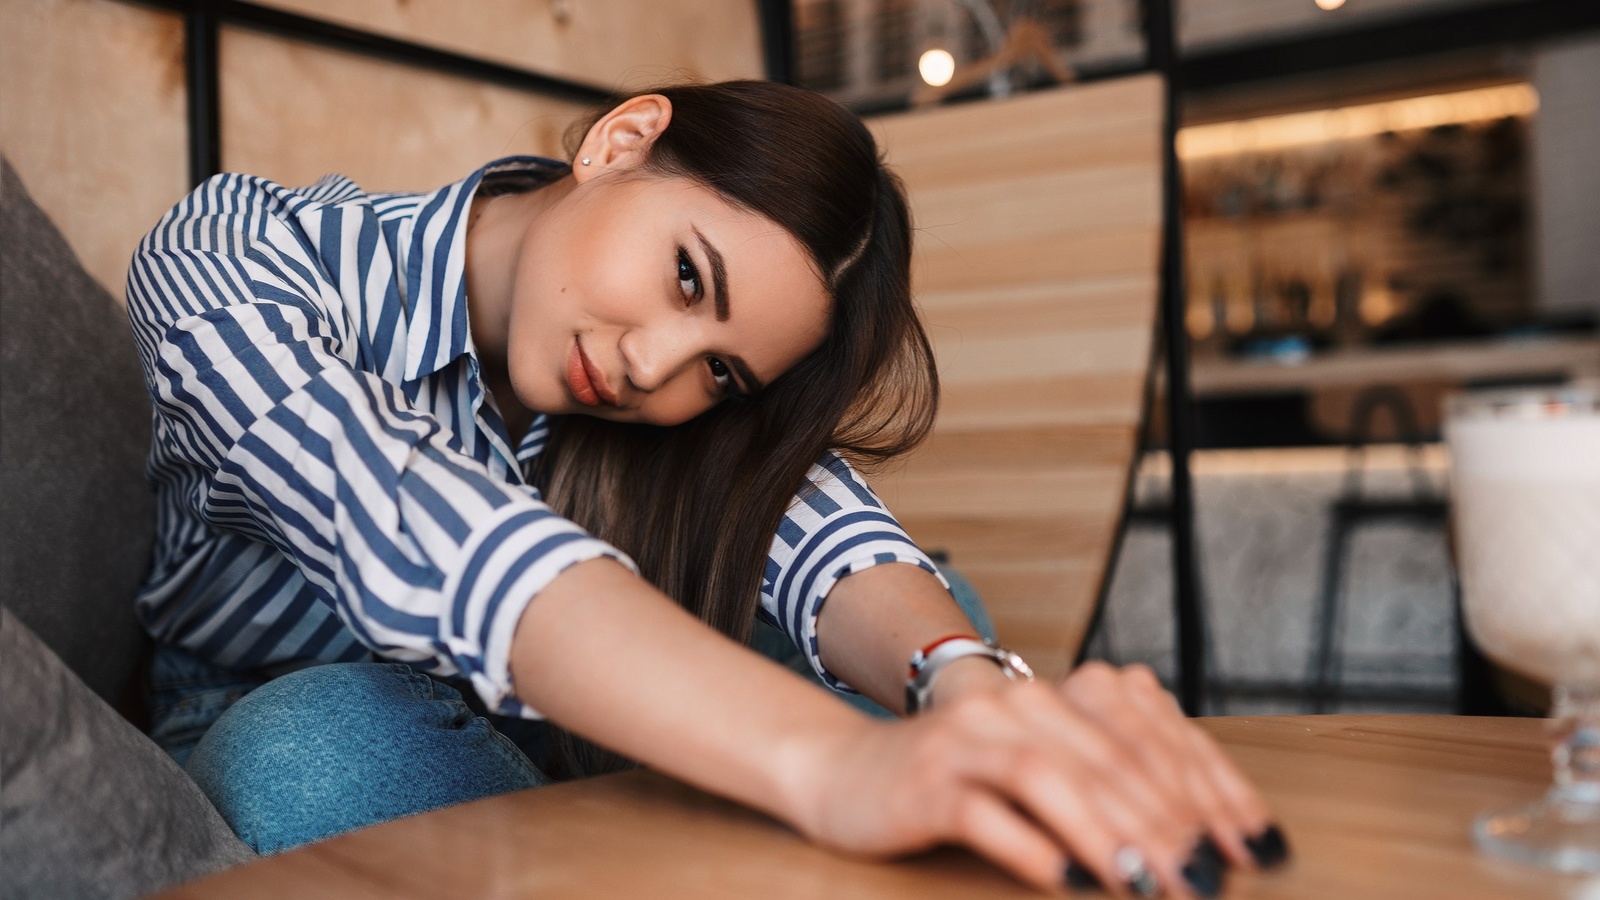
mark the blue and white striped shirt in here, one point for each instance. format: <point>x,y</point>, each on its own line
<point>333,482</point>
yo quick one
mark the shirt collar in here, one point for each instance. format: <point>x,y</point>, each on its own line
<point>436,272</point>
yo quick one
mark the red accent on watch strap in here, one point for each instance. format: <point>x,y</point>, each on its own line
<point>925,651</point>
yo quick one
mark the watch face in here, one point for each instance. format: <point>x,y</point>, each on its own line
<point>1015,667</point>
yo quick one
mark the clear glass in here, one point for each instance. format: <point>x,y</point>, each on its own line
<point>1525,484</point>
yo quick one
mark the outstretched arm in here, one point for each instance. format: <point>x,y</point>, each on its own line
<point>606,655</point>
<point>1019,773</point>
<point>875,619</point>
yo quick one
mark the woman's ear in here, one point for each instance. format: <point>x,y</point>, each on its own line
<point>621,139</point>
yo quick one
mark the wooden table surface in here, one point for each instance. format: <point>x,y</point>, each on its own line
<point>1375,807</point>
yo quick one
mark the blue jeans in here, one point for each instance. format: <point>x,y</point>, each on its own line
<point>335,747</point>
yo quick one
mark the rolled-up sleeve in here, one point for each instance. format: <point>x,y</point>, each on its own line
<point>424,555</point>
<point>835,527</point>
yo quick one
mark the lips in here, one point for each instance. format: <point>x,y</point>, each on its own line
<point>587,383</point>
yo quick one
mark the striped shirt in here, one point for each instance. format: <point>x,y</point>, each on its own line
<point>334,482</point>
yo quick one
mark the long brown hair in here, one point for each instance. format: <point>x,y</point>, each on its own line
<point>696,505</point>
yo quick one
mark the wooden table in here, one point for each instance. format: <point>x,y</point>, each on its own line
<point>1375,806</point>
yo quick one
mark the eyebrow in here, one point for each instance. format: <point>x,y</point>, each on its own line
<point>719,290</point>
<point>719,275</point>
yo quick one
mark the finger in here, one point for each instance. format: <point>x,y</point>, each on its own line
<point>1138,710</point>
<point>995,830</point>
<point>975,741</point>
<point>1101,693</point>
<point>1002,746</point>
<point>1164,814</point>
<point>1229,805</point>
<point>1133,707</point>
<point>1009,721</point>
<point>1241,798</point>
<point>1059,793</point>
<point>1002,732</point>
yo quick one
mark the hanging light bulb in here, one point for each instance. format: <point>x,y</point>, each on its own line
<point>937,67</point>
<point>1329,4</point>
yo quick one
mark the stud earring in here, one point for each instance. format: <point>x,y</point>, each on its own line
<point>586,160</point>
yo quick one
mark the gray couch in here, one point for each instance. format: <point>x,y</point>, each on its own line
<point>89,807</point>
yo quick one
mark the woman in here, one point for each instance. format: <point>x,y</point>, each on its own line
<point>451,430</point>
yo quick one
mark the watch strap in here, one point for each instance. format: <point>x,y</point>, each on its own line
<point>929,661</point>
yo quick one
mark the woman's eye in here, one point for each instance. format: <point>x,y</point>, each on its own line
<point>719,371</point>
<point>689,276</point>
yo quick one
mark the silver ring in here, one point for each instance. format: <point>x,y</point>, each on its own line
<point>1135,872</point>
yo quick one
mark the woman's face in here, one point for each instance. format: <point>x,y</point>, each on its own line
<point>646,298</point>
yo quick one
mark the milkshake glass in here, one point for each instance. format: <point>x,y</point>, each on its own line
<point>1525,502</point>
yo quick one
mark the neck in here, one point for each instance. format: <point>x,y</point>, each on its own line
<point>498,228</point>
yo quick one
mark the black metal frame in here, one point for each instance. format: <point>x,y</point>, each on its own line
<point>778,39</point>
<point>202,77</point>
<point>1396,39</point>
<point>1188,617</point>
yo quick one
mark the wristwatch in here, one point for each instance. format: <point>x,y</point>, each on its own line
<point>928,662</point>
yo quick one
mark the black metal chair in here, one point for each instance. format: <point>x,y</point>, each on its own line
<point>1354,510</point>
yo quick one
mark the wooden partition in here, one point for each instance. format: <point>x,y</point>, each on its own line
<point>388,127</point>
<point>625,44</point>
<point>1037,247</point>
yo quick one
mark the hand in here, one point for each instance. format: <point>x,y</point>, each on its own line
<point>1131,705</point>
<point>1032,775</point>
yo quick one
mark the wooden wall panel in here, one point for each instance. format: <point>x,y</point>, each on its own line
<point>610,43</point>
<point>1073,400</point>
<point>93,120</point>
<point>294,112</point>
<point>1038,224</point>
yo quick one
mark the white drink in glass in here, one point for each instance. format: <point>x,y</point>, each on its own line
<point>1525,501</point>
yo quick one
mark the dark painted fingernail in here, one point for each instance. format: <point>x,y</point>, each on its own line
<point>1270,848</point>
<point>1079,878</point>
<point>1207,848</point>
<point>1205,869</point>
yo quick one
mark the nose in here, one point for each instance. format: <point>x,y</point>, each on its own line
<point>655,355</point>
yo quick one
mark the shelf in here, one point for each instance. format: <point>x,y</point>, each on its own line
<point>1570,356</point>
